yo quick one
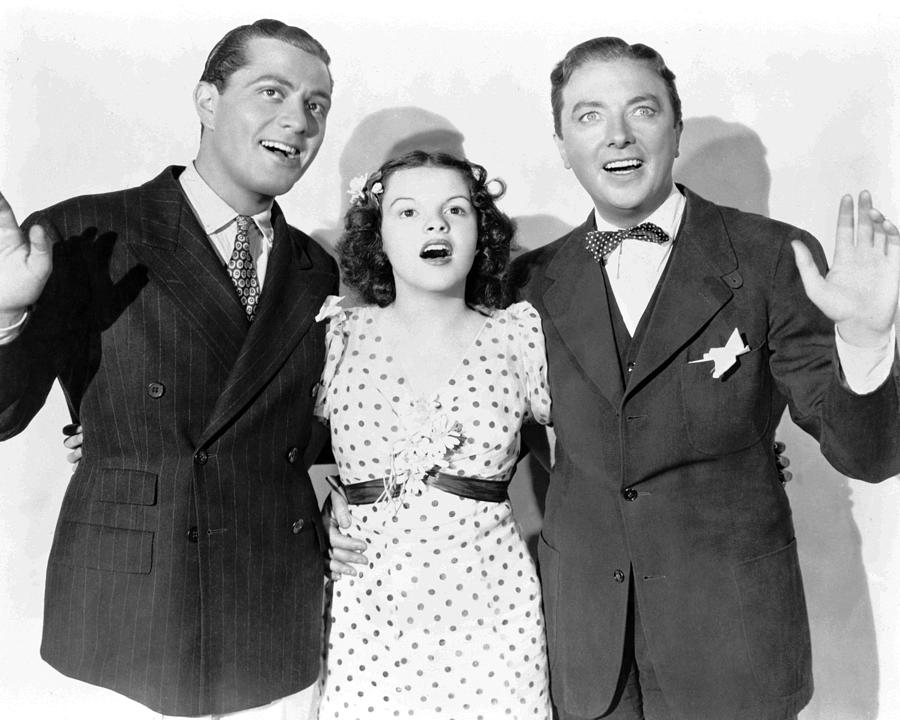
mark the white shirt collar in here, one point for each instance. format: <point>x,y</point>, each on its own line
<point>667,216</point>
<point>212,211</point>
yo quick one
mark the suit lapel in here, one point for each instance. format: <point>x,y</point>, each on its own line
<point>692,291</point>
<point>576,304</point>
<point>179,258</point>
<point>292,294</point>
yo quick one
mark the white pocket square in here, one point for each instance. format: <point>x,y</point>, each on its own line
<point>724,357</point>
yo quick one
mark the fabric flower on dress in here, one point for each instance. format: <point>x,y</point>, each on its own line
<point>431,438</point>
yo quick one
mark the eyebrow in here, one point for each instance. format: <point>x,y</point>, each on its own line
<point>592,104</point>
<point>453,197</point>
<point>281,80</point>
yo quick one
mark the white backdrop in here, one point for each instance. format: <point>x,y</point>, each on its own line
<point>784,112</point>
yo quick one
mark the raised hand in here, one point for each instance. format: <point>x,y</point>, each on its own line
<point>859,293</point>
<point>25,265</point>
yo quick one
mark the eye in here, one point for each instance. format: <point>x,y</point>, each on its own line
<point>317,108</point>
<point>407,213</point>
<point>645,111</point>
<point>271,93</point>
<point>589,117</point>
<point>456,210</point>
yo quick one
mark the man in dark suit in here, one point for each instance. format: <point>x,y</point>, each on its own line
<point>186,569</point>
<point>668,559</point>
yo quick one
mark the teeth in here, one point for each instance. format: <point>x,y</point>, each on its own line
<point>282,147</point>
<point>623,165</point>
<point>435,250</point>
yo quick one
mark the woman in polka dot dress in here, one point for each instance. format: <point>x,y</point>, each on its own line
<point>425,396</point>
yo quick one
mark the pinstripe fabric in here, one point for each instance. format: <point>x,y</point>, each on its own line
<point>190,415</point>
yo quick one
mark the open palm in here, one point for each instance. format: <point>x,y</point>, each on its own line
<point>859,293</point>
<point>25,262</point>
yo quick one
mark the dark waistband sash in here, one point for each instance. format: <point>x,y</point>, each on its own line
<point>366,493</point>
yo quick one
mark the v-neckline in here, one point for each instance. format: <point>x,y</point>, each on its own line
<point>403,375</point>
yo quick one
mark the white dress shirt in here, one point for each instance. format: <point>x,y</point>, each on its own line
<point>219,221</point>
<point>635,267</point>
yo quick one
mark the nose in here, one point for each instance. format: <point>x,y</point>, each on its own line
<point>296,119</point>
<point>436,223</point>
<point>618,132</point>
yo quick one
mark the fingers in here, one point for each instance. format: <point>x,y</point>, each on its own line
<point>341,562</point>
<point>813,282</point>
<point>845,224</point>
<point>340,509</point>
<point>7,217</point>
<point>41,240</point>
<point>891,241</point>
<point>74,441</point>
<point>74,456</point>
<point>344,553</point>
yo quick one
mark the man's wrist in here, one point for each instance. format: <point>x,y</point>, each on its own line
<point>864,339</point>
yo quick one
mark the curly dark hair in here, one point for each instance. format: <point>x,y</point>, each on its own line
<point>365,265</point>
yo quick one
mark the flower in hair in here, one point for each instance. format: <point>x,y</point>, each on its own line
<point>357,189</point>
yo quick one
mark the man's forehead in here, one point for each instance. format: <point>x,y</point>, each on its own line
<point>273,59</point>
<point>632,79</point>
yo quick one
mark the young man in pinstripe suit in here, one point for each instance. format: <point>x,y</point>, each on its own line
<point>186,569</point>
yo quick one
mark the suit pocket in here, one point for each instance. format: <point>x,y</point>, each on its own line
<point>548,565</point>
<point>133,487</point>
<point>99,547</point>
<point>773,614</point>
<point>730,413</point>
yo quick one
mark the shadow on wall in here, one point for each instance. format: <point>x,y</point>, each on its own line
<point>725,162</point>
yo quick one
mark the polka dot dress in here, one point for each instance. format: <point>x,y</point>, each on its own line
<point>446,621</point>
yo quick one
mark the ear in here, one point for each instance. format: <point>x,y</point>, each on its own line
<point>206,98</point>
<point>678,128</point>
<point>561,148</point>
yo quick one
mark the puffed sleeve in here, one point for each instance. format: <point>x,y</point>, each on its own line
<point>335,342</point>
<point>533,358</point>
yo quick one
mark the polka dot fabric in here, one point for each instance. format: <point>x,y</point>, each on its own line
<point>445,622</point>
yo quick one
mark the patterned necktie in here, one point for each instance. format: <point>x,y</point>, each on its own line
<point>600,243</point>
<point>241,267</point>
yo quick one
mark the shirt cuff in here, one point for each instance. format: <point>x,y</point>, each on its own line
<point>8,334</point>
<point>865,369</point>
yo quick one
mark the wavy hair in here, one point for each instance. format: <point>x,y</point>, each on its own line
<point>366,267</point>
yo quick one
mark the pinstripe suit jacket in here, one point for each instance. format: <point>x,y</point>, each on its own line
<point>186,568</point>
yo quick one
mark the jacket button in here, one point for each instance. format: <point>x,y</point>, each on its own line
<point>629,367</point>
<point>192,534</point>
<point>201,457</point>
<point>156,390</point>
<point>293,455</point>
<point>630,494</point>
<point>619,576</point>
<point>298,526</point>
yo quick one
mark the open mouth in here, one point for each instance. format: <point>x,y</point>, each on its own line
<point>621,167</point>
<point>279,148</point>
<point>437,250</point>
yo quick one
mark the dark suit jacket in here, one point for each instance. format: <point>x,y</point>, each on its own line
<point>672,476</point>
<point>186,569</point>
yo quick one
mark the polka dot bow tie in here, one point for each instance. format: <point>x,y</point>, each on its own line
<point>600,243</point>
<point>242,269</point>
